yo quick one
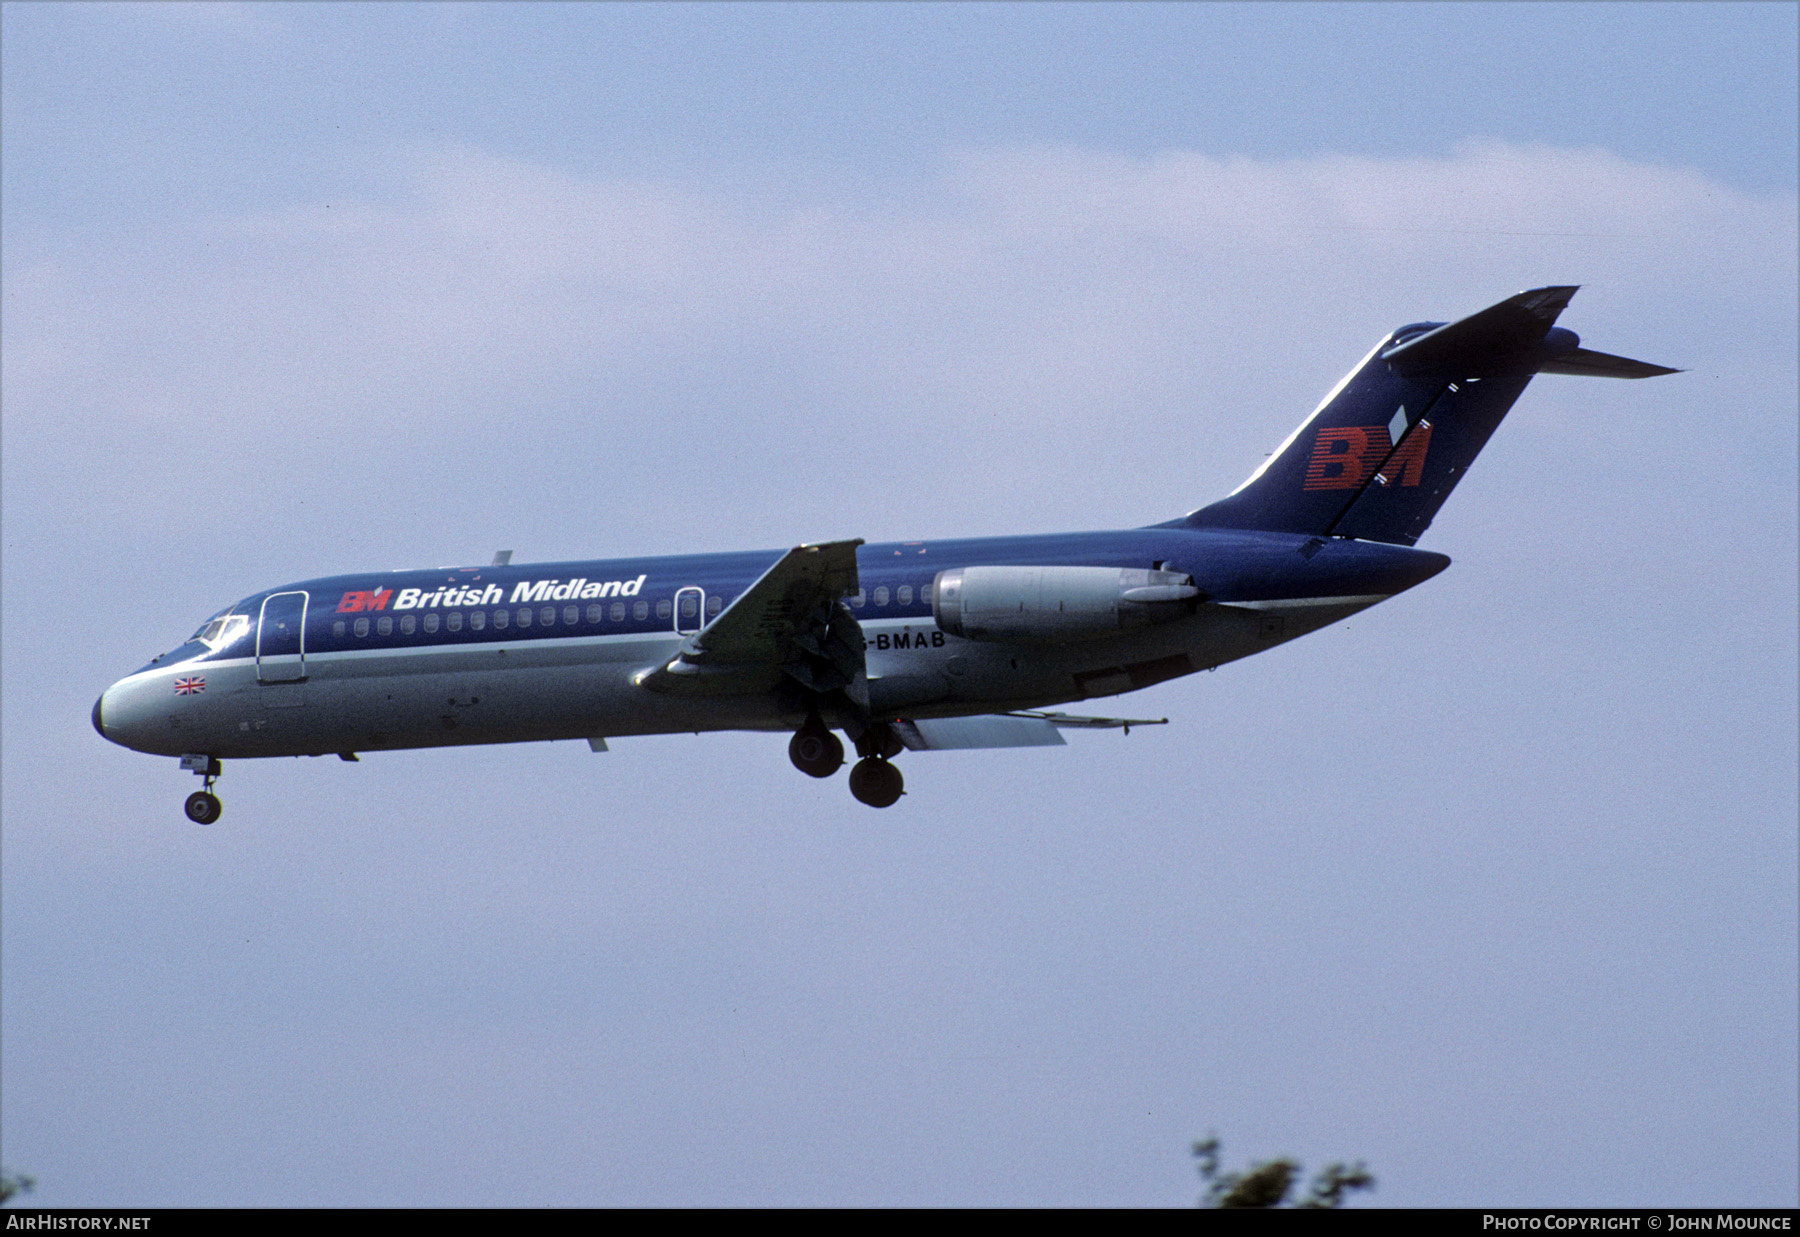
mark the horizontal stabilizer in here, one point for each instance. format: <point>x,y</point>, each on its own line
<point>1590,364</point>
<point>1495,340</point>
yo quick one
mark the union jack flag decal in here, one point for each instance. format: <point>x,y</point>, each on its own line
<point>189,687</point>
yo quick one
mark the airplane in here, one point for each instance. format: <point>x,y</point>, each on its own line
<point>911,645</point>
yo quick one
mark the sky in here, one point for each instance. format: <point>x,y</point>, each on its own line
<point>1493,886</point>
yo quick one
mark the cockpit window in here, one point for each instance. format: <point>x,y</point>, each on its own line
<point>219,632</point>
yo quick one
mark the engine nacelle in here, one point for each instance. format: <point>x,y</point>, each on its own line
<point>1057,603</point>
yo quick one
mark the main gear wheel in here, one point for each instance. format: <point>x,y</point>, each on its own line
<point>815,751</point>
<point>877,782</point>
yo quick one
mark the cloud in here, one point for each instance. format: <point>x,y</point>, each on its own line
<point>1031,331</point>
<point>477,268</point>
<point>1045,336</point>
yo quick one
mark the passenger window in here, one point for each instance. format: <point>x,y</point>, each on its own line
<point>571,615</point>
<point>640,609</point>
<point>337,628</point>
<point>525,617</point>
<point>596,612</point>
<point>906,594</point>
<point>547,616</point>
<point>477,620</point>
<point>431,622</point>
<point>362,627</point>
<point>501,619</point>
<point>856,599</point>
<point>714,604</point>
<point>618,612</point>
<point>881,596</point>
<point>409,624</point>
<point>453,620</point>
<point>384,626</point>
<point>664,609</point>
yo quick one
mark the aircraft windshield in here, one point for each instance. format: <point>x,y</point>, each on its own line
<point>219,632</point>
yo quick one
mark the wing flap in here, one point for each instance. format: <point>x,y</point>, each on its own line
<point>1074,721</point>
<point>944,734</point>
<point>1022,728</point>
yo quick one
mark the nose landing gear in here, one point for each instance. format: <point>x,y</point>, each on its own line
<point>203,806</point>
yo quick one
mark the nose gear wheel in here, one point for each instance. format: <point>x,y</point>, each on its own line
<point>203,806</point>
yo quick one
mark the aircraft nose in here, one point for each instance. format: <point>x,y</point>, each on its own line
<point>134,713</point>
<point>120,716</point>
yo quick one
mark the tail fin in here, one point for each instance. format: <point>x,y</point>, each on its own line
<point>1383,451</point>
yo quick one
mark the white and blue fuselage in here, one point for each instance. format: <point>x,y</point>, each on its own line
<point>557,650</point>
<point>917,644</point>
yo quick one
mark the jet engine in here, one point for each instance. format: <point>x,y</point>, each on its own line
<point>1057,603</point>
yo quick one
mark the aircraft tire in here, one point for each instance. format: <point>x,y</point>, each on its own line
<point>815,751</point>
<point>203,807</point>
<point>876,782</point>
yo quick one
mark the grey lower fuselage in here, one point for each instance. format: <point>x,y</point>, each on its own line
<point>587,684</point>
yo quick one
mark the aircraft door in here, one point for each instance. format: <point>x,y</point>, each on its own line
<point>690,610</point>
<point>281,638</point>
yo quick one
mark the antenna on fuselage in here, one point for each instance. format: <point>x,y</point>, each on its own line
<point>501,558</point>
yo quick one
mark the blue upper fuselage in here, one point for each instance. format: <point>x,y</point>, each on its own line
<point>638,595</point>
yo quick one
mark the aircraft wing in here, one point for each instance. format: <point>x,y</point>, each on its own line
<point>792,623</point>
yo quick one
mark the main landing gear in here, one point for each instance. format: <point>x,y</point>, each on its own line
<point>814,750</point>
<point>203,806</point>
<point>876,782</point>
<point>817,752</point>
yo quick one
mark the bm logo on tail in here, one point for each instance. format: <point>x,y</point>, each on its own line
<point>1346,456</point>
